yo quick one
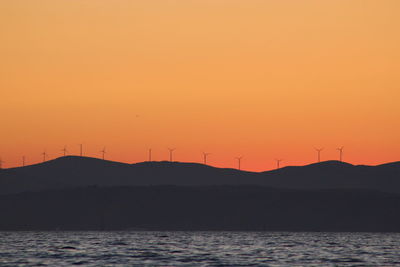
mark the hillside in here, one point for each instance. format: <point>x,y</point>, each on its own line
<point>73,171</point>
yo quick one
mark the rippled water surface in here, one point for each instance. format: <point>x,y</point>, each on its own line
<point>198,249</point>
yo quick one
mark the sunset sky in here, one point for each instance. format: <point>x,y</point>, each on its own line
<point>263,79</point>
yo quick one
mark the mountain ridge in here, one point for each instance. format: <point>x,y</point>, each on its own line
<point>73,171</point>
<point>84,158</point>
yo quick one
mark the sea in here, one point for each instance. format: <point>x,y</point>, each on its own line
<point>134,248</point>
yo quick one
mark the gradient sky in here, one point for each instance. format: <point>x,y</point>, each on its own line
<point>264,79</point>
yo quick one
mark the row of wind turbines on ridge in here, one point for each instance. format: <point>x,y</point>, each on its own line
<point>171,150</point>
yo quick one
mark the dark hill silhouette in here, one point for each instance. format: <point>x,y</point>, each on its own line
<point>335,174</point>
<point>253,208</point>
<point>73,171</point>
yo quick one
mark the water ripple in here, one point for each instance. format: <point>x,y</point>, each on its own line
<point>198,249</point>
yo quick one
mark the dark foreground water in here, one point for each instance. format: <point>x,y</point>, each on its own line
<point>198,249</point>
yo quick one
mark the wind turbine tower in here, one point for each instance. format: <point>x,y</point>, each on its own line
<point>319,153</point>
<point>64,150</point>
<point>44,155</point>
<point>103,152</point>
<point>1,163</point>
<point>81,149</point>
<point>23,161</point>
<point>205,155</point>
<point>278,161</point>
<point>340,149</point>
<point>149,154</point>
<point>171,150</point>
<point>239,159</point>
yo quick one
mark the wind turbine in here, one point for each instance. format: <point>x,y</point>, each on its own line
<point>44,155</point>
<point>150,154</point>
<point>23,161</point>
<point>104,152</point>
<point>171,150</point>
<point>1,163</point>
<point>278,161</point>
<point>64,150</point>
<point>205,155</point>
<point>319,153</point>
<point>239,159</point>
<point>340,149</point>
<point>81,149</point>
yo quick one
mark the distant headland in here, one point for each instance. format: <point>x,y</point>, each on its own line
<point>74,171</point>
<point>81,193</point>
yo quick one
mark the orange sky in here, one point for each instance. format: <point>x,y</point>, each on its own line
<point>260,78</point>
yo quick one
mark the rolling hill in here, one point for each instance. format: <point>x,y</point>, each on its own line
<point>74,171</point>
